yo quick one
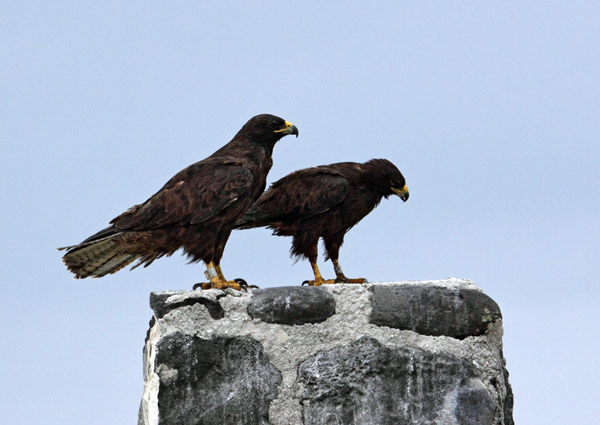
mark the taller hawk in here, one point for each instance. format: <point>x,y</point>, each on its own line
<point>195,210</point>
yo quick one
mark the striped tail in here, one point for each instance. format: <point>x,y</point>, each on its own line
<point>98,257</point>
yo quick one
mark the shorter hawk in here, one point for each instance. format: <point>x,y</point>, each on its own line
<point>324,202</point>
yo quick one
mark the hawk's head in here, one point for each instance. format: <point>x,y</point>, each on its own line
<point>266,129</point>
<point>387,179</point>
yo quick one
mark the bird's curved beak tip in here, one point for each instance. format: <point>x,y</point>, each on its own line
<point>402,193</point>
<point>288,129</point>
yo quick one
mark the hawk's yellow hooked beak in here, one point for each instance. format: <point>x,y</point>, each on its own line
<point>288,129</point>
<point>402,193</point>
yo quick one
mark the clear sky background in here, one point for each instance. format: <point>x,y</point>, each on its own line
<point>490,109</point>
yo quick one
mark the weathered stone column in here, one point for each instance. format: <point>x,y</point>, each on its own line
<point>380,353</point>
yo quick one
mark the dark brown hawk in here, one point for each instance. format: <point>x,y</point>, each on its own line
<point>195,210</point>
<point>324,202</point>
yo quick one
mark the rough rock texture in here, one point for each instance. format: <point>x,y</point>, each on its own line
<point>380,353</point>
<point>214,381</point>
<point>370,383</point>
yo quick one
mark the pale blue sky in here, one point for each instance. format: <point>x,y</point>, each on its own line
<point>491,110</point>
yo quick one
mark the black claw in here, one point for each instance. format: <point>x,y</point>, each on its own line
<point>244,285</point>
<point>306,282</point>
<point>196,286</point>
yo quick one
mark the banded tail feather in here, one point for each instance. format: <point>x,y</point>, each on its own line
<point>98,258</point>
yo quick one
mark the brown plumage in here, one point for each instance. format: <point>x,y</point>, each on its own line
<point>195,210</point>
<point>324,202</point>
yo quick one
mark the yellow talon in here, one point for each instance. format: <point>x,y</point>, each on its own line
<point>227,284</point>
<point>217,280</point>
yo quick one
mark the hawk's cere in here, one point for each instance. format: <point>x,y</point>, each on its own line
<point>324,202</point>
<point>195,210</point>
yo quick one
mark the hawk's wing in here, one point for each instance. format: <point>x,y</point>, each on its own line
<point>193,195</point>
<point>300,195</point>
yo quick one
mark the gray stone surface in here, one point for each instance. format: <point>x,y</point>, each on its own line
<point>291,305</point>
<point>214,381</point>
<point>366,382</point>
<point>346,366</point>
<point>434,310</point>
<point>160,305</point>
